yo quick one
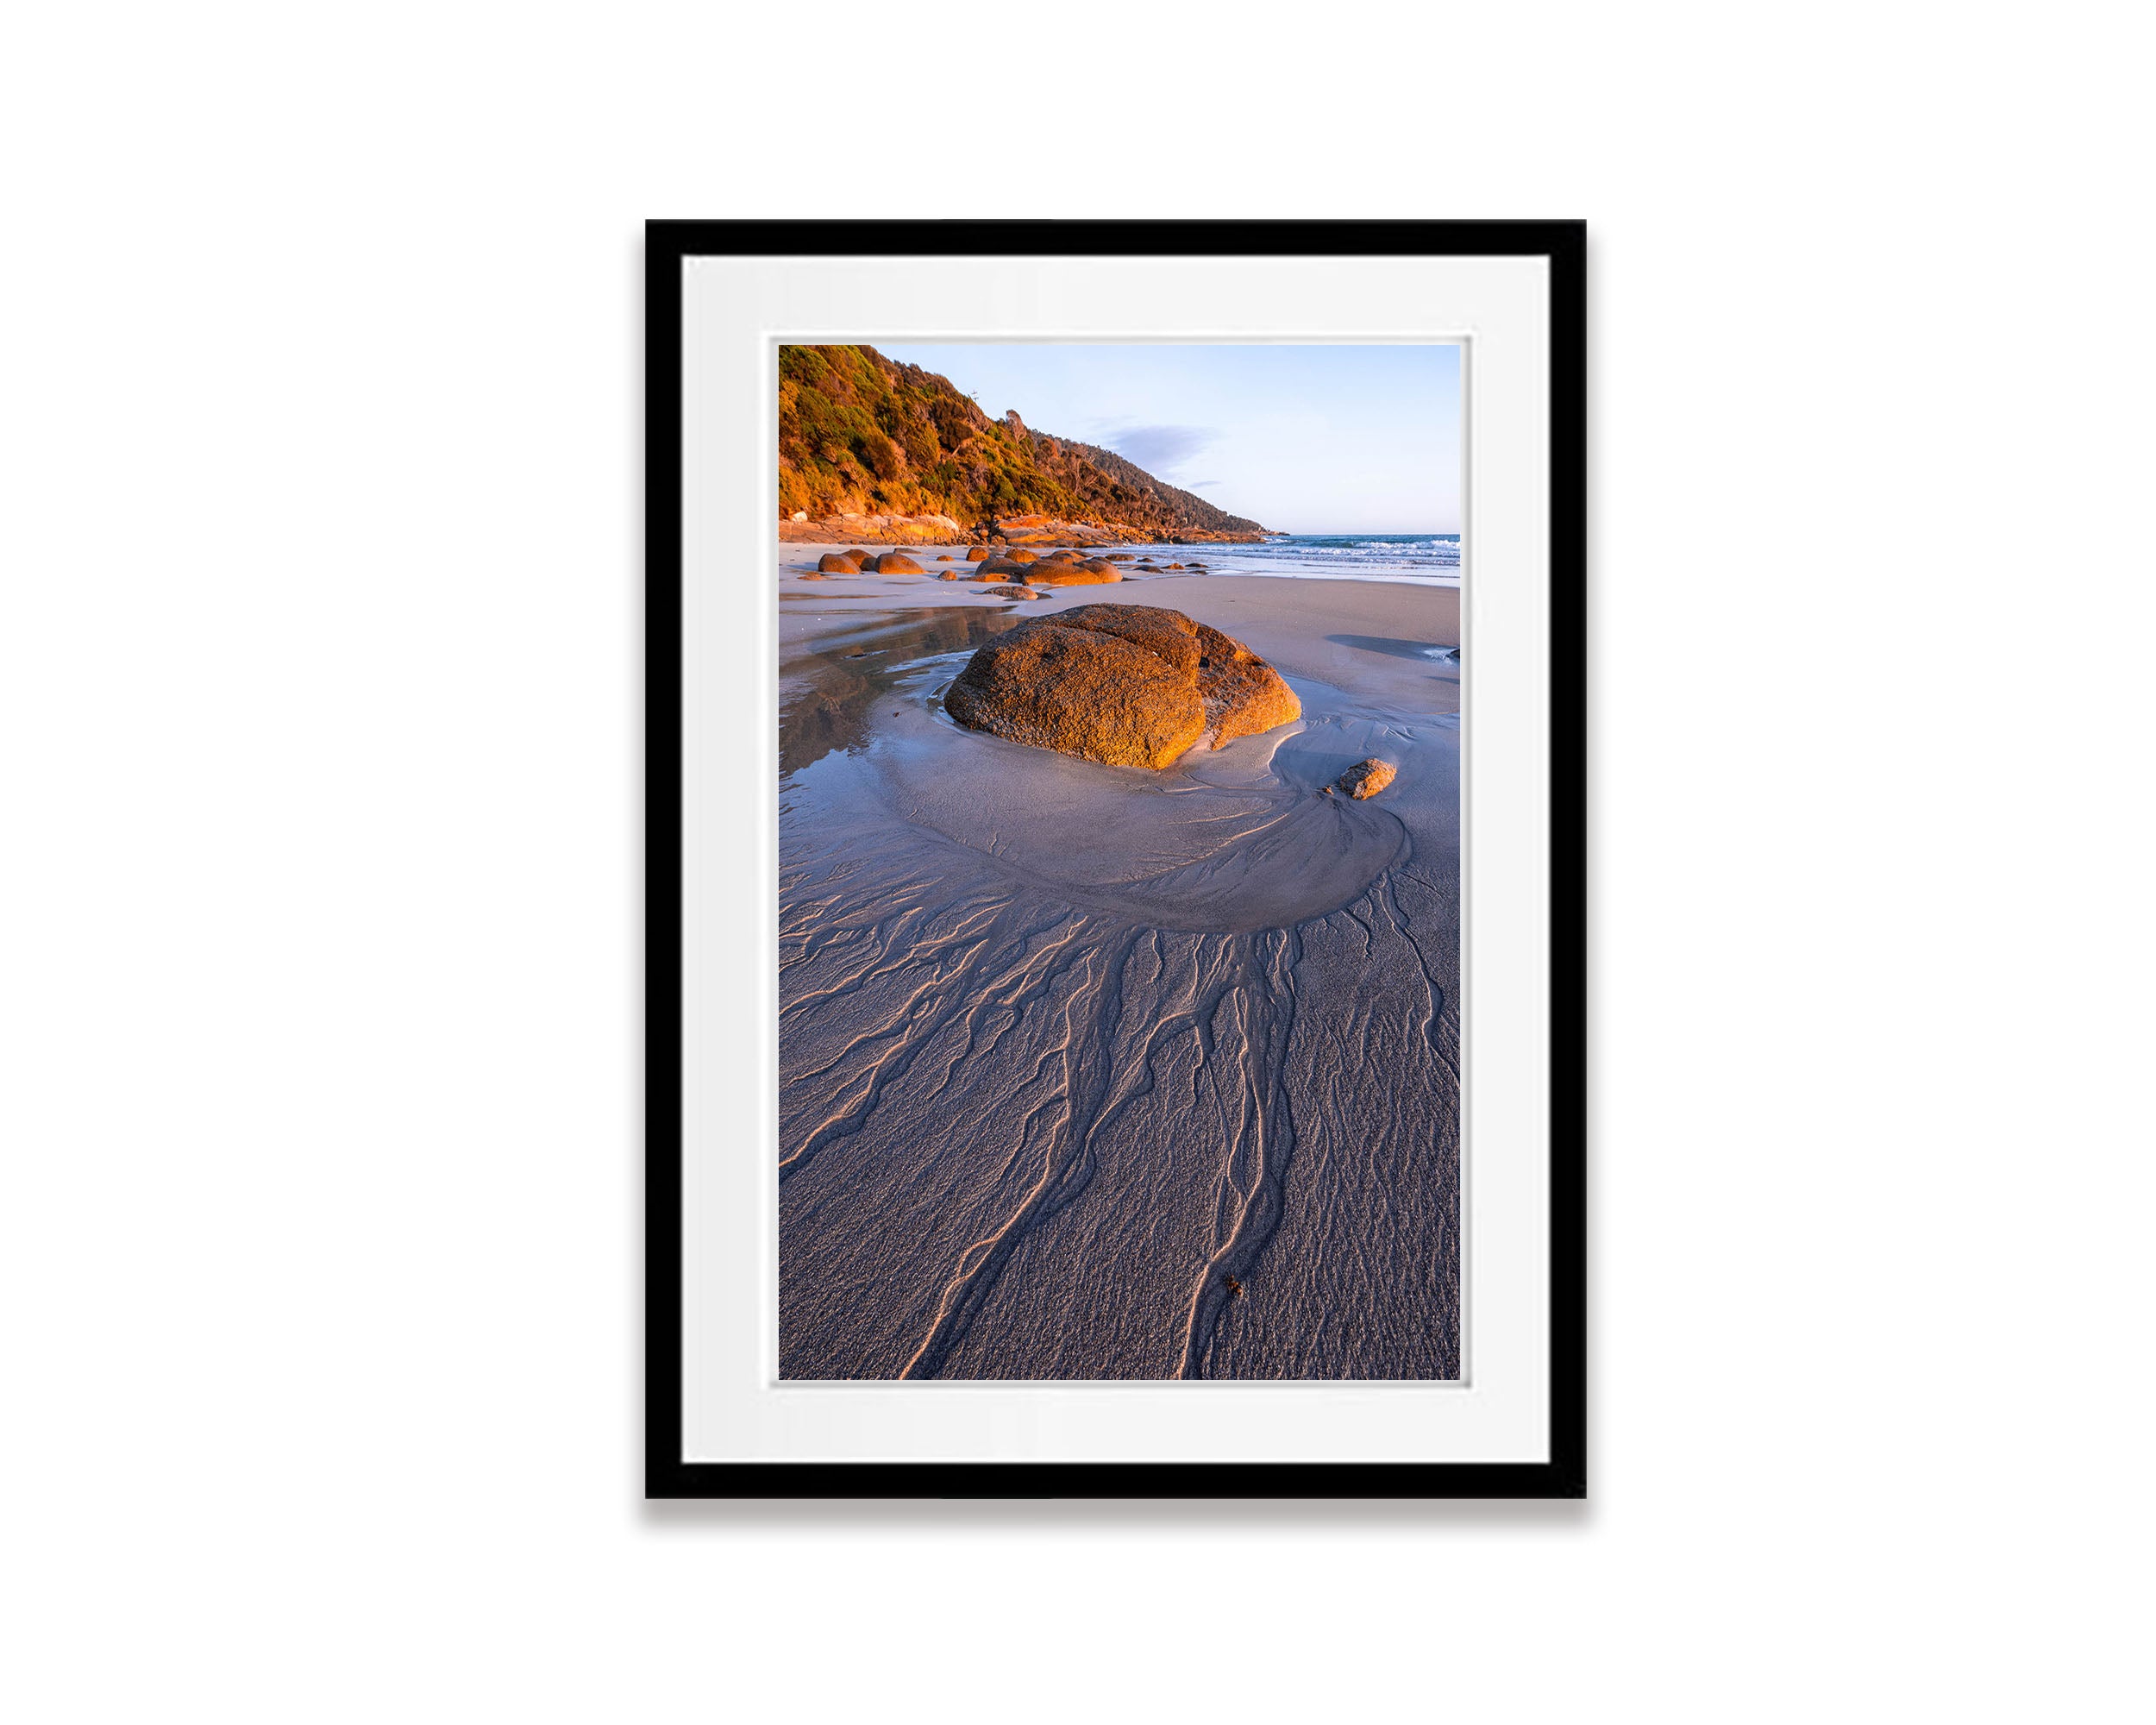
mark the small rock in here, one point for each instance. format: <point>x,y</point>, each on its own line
<point>1365,779</point>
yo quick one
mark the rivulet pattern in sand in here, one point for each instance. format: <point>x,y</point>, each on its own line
<point>1095,1072</point>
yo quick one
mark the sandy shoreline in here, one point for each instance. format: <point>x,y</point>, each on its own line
<point>1095,1072</point>
<point>1349,632</point>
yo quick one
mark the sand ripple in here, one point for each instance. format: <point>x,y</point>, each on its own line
<point>1088,1072</point>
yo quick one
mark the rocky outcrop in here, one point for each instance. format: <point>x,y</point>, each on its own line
<point>1045,530</point>
<point>1365,779</point>
<point>1127,684</point>
<point>869,448</point>
<point>895,529</point>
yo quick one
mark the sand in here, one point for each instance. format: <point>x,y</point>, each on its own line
<point>1092,1072</point>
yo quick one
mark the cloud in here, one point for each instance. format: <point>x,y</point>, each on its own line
<point>1160,450</point>
<point>1200,485</point>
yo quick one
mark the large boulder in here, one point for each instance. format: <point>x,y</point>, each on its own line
<point>992,567</point>
<point>897,563</point>
<point>1021,555</point>
<point>1011,590</point>
<point>975,552</point>
<point>1129,685</point>
<point>838,563</point>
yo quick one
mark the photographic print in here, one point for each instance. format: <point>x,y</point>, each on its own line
<point>1120,859</point>
<point>1115,884</point>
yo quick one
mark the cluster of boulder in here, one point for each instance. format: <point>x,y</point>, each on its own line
<point>860,562</point>
<point>1127,684</point>
<point>1055,569</point>
<point>1014,574</point>
<point>1010,572</point>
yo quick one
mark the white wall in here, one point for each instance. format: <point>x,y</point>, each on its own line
<point>318,686</point>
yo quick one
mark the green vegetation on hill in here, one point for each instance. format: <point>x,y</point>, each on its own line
<point>862,434</point>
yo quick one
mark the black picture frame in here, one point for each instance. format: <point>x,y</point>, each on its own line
<point>667,1474</point>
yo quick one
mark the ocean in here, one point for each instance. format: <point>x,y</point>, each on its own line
<point>1421,559</point>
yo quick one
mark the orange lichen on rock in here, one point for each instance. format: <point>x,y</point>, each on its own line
<point>1243,694</point>
<point>1128,685</point>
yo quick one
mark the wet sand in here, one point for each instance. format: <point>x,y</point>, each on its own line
<point>1091,1072</point>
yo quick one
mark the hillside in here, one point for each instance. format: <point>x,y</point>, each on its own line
<point>862,435</point>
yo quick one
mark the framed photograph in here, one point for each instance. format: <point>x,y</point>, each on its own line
<point>1116,859</point>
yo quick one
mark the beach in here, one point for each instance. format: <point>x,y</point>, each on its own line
<point>1092,1071</point>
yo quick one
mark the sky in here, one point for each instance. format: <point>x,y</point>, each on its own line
<point>1334,439</point>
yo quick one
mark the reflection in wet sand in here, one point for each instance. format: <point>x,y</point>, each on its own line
<point>824,695</point>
